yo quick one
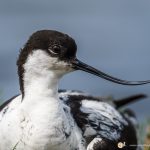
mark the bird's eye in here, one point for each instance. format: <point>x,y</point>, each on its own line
<point>55,49</point>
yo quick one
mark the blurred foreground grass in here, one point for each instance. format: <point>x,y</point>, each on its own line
<point>144,135</point>
<point>147,138</point>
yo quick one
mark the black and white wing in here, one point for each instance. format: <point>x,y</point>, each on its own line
<point>102,126</point>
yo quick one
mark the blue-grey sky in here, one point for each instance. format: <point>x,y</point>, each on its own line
<point>113,36</point>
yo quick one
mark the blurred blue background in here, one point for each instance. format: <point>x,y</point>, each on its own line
<point>113,36</point>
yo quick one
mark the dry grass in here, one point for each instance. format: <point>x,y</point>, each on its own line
<point>147,139</point>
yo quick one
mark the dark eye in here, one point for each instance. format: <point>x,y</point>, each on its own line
<point>55,49</point>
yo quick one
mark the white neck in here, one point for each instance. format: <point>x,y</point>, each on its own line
<point>40,79</point>
<point>44,84</point>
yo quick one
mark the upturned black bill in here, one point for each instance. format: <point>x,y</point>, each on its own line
<point>78,65</point>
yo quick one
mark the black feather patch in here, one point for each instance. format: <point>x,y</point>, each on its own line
<point>7,102</point>
<point>122,102</point>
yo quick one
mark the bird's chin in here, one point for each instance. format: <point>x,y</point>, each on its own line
<point>63,71</point>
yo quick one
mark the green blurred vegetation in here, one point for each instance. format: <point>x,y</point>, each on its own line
<point>147,137</point>
<point>144,134</point>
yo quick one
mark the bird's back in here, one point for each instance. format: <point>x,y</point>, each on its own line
<point>98,119</point>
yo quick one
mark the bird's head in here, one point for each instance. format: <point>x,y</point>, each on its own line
<point>49,50</point>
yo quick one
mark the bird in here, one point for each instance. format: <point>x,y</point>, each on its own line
<point>44,117</point>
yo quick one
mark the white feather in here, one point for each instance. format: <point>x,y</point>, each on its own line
<point>39,121</point>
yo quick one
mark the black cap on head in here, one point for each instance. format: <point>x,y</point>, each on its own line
<point>57,44</point>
